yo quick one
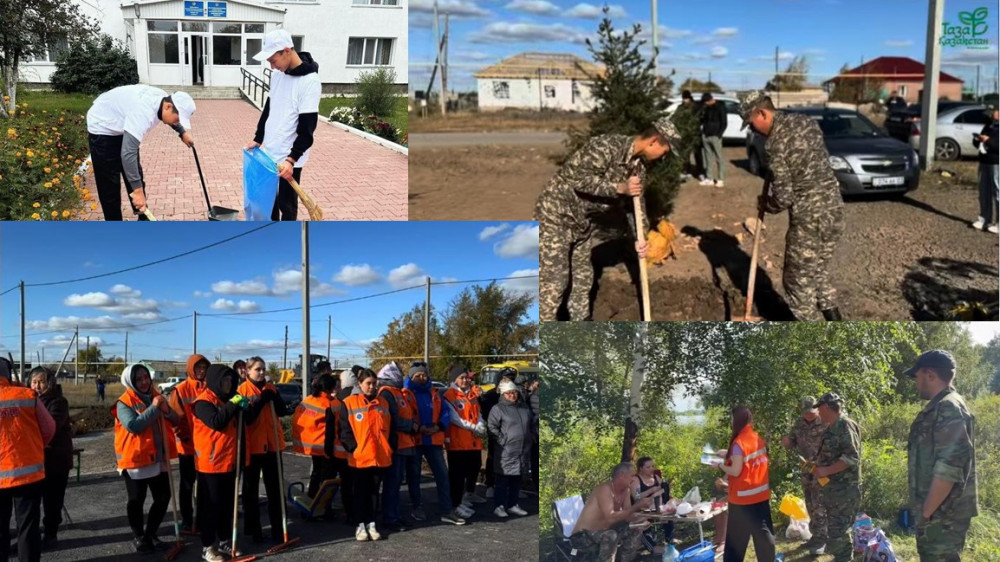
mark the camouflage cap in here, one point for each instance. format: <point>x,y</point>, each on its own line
<point>666,128</point>
<point>748,102</point>
<point>830,398</point>
<point>807,403</point>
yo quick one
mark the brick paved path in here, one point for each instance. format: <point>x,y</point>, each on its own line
<point>349,177</point>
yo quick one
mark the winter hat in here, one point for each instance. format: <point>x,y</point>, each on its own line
<point>391,375</point>
<point>421,368</point>
<point>457,371</point>
<point>507,386</point>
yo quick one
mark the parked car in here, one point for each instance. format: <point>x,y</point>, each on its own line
<point>863,158</point>
<point>899,124</point>
<point>166,386</point>
<point>955,128</point>
<point>291,394</point>
<point>733,119</point>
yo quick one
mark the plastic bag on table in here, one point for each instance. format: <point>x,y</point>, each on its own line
<point>798,529</point>
<point>260,185</point>
<point>693,496</point>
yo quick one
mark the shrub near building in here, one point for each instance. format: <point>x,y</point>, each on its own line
<point>40,151</point>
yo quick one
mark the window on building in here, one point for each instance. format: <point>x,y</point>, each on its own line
<point>575,91</point>
<point>297,42</point>
<point>159,25</point>
<point>226,50</point>
<point>253,28</point>
<point>50,48</point>
<point>369,51</point>
<point>194,26</point>
<point>501,90</point>
<point>163,48</point>
<point>902,91</point>
<point>230,28</point>
<point>550,91</point>
<point>253,47</point>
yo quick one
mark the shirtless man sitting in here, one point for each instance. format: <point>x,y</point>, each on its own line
<point>604,521</point>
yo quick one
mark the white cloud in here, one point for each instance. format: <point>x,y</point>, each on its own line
<point>251,288</point>
<point>202,294</point>
<point>107,303</point>
<point>406,275</point>
<point>456,8</point>
<point>85,323</point>
<point>703,40</point>
<point>95,300</point>
<point>63,341</point>
<point>898,43</point>
<point>985,56</point>
<point>509,32</point>
<point>125,291</point>
<point>472,55</point>
<point>288,281</point>
<point>590,11</point>
<point>528,285</point>
<point>783,55</point>
<point>521,243</point>
<point>357,275</point>
<point>230,306</point>
<point>726,32</point>
<point>491,231</point>
<point>719,52</point>
<point>255,346</point>
<point>144,316</point>
<point>536,7</point>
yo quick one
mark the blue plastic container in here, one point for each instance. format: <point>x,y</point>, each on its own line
<point>260,185</point>
<point>702,552</point>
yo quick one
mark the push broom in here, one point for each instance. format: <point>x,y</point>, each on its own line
<point>288,543</point>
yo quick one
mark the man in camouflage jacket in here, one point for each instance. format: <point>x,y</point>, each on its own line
<point>807,433</point>
<point>594,180</point>
<point>801,181</point>
<point>839,459</point>
<point>941,461</point>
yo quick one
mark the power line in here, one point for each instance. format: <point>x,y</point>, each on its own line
<point>290,309</point>
<point>157,262</point>
<point>483,280</point>
<point>113,329</point>
<point>14,288</point>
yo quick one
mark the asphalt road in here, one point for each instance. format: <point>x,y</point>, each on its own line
<point>100,531</point>
<point>444,140</point>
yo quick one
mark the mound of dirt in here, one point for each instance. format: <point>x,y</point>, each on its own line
<point>92,418</point>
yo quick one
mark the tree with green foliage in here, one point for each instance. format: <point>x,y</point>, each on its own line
<point>792,79</point>
<point>94,65</point>
<point>376,92</point>
<point>698,86</point>
<point>487,320</point>
<point>628,97</point>
<point>30,28</point>
<point>855,90</point>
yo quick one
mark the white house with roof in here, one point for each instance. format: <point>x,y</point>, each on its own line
<point>537,81</point>
<point>205,43</point>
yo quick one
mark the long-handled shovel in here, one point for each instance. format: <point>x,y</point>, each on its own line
<point>752,281</point>
<point>215,213</point>
<point>643,271</point>
<point>176,550</point>
<point>236,493</point>
<point>288,543</point>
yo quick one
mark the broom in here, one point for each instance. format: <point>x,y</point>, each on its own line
<point>281,487</point>
<point>176,550</point>
<point>235,557</point>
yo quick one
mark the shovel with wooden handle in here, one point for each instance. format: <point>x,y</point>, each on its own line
<point>643,266</point>
<point>752,281</point>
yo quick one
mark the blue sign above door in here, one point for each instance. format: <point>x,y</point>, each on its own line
<point>217,9</point>
<point>194,9</point>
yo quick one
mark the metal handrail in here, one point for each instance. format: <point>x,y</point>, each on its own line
<point>251,82</point>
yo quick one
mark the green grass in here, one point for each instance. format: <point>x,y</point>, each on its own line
<point>399,118</point>
<point>39,101</point>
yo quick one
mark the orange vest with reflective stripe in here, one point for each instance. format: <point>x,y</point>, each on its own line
<point>185,393</point>
<point>339,452</point>
<point>260,434</point>
<point>406,408</point>
<point>22,452</point>
<point>371,423</point>
<point>214,451</point>
<point>309,426</point>
<point>467,407</point>
<point>138,450</point>
<point>751,486</point>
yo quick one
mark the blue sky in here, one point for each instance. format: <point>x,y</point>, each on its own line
<point>734,39</point>
<point>260,271</point>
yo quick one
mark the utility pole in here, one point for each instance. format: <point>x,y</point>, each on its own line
<point>194,344</point>
<point>306,363</point>
<point>932,65</point>
<point>777,83</point>
<point>284,360</point>
<point>329,325</point>
<point>427,324</point>
<point>656,44</point>
<point>87,368</point>
<point>76,362</point>
<point>20,373</point>
<point>126,347</point>
<point>440,41</point>
<point>977,84</point>
<point>444,60</point>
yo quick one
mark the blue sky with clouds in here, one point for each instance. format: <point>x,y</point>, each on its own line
<point>260,271</point>
<point>734,39</point>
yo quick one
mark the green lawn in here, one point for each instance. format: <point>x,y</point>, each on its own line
<point>40,101</point>
<point>399,119</point>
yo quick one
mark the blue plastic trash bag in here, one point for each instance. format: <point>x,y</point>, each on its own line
<point>260,185</point>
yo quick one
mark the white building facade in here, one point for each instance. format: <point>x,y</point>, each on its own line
<point>203,43</point>
<point>537,81</point>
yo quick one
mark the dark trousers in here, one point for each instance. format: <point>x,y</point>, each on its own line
<point>463,471</point>
<point>534,463</point>
<point>346,474</point>
<point>267,464</point>
<point>747,521</point>
<point>215,506</point>
<point>365,490</point>
<point>159,487</point>
<point>188,476</point>
<point>491,453</point>
<point>408,465</point>
<point>507,490</point>
<point>106,155</point>
<point>286,203</point>
<point>988,193</point>
<point>53,498</point>
<point>322,469</point>
<point>25,503</point>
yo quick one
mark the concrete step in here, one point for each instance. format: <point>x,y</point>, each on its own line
<point>201,92</point>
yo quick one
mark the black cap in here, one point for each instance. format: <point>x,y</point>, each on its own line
<point>706,96</point>
<point>829,398</point>
<point>686,95</point>
<point>934,359</point>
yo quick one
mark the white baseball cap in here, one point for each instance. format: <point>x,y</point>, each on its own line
<point>274,41</point>
<point>185,107</point>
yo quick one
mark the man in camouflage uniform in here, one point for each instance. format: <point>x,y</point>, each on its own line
<point>596,179</point>
<point>805,440</point>
<point>941,461</point>
<point>839,459</point>
<point>687,119</point>
<point>801,181</point>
